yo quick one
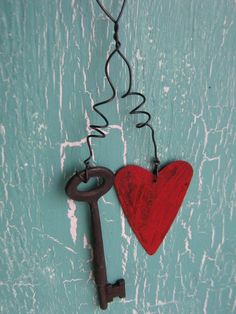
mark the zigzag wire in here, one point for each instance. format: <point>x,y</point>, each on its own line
<point>95,127</point>
<point>98,128</point>
<point>136,110</point>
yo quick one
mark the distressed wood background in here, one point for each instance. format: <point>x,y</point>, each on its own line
<point>52,56</point>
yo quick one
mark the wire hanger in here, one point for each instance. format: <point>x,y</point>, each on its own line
<point>129,92</point>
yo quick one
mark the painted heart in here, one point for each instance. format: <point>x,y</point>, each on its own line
<point>151,207</point>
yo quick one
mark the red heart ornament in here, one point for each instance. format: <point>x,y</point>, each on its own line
<point>149,206</point>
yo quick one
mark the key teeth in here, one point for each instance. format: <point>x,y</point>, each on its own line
<point>116,290</point>
<point>121,284</point>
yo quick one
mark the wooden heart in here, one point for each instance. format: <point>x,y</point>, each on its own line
<point>151,207</point>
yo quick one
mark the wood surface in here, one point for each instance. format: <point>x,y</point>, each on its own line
<point>52,56</point>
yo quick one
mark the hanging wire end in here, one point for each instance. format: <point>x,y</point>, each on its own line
<point>156,165</point>
<point>84,174</point>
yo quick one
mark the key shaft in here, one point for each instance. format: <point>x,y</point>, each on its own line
<point>100,273</point>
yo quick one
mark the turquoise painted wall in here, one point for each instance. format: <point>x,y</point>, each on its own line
<point>52,56</point>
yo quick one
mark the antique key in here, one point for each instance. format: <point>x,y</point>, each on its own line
<point>106,291</point>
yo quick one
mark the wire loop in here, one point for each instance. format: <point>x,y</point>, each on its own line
<point>108,14</point>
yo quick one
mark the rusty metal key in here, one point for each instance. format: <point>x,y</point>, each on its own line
<point>106,291</point>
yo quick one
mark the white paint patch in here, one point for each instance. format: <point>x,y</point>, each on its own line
<point>88,129</point>
<point>73,219</point>
<point>3,132</point>
<point>85,86</point>
<point>166,89</point>
<point>61,73</point>
<point>118,127</point>
<point>69,144</point>
<point>85,242</point>
<point>2,157</point>
<point>41,127</point>
<point>138,55</point>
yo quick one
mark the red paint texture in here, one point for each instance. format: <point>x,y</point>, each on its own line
<point>151,207</point>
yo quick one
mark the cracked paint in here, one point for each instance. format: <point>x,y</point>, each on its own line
<point>51,73</point>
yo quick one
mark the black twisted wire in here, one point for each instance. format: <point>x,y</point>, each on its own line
<point>95,127</point>
<point>136,110</point>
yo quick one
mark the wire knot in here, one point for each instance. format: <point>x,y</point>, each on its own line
<point>116,35</point>
<point>84,174</point>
